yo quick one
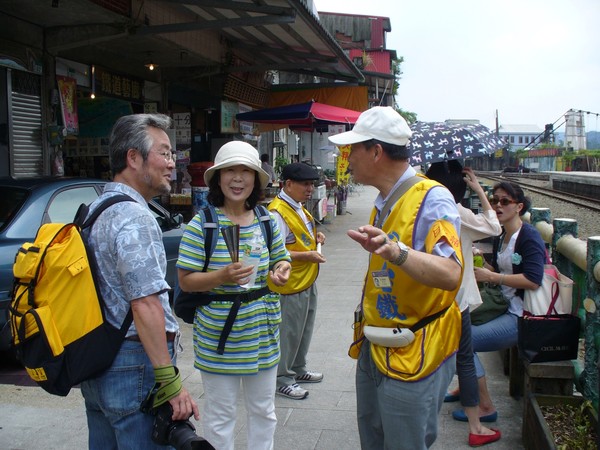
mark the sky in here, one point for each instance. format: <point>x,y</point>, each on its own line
<point>529,60</point>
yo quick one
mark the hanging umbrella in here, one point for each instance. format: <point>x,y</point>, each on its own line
<point>309,116</point>
<point>438,141</point>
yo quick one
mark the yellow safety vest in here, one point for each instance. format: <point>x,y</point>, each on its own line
<point>406,301</point>
<point>304,273</point>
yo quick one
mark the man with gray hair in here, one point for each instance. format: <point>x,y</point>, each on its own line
<point>127,245</point>
<point>407,325</point>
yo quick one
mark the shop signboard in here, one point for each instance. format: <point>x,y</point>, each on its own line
<point>245,127</point>
<point>183,129</point>
<point>67,89</point>
<point>120,86</point>
<point>342,176</point>
<point>229,124</point>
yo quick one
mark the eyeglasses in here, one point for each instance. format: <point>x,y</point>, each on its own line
<point>169,156</point>
<point>504,201</point>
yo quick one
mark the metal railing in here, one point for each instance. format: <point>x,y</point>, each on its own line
<point>580,261</point>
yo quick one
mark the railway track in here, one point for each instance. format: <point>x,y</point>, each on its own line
<point>584,202</point>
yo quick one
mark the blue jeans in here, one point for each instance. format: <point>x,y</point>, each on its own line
<point>465,366</point>
<point>399,415</point>
<point>497,334</point>
<point>112,402</point>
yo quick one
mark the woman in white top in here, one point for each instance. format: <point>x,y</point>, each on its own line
<point>474,227</point>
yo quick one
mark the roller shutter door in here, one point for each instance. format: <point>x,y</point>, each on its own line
<point>26,125</point>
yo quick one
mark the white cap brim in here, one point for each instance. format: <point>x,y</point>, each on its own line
<point>348,137</point>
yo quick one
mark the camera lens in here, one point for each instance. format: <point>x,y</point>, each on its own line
<point>182,436</point>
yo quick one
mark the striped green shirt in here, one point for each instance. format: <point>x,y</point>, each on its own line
<point>253,343</point>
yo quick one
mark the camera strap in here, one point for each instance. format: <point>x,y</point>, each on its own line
<point>167,384</point>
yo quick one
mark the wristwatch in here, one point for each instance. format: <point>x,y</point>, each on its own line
<point>403,254</point>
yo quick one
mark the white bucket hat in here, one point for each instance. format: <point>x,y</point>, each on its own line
<point>235,153</point>
<point>380,122</point>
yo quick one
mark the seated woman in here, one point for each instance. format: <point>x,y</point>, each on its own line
<point>518,264</point>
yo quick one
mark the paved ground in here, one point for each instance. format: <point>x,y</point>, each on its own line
<point>326,420</point>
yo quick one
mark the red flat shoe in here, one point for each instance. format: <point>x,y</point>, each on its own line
<point>477,440</point>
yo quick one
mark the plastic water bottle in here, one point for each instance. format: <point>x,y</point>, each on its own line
<point>251,256</point>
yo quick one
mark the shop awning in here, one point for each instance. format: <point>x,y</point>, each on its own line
<point>308,116</point>
<point>189,40</point>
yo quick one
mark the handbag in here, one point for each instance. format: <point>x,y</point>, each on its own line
<point>548,331</point>
<point>548,337</point>
<point>494,305</point>
<point>554,296</point>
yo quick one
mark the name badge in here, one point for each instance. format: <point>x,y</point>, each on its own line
<point>381,279</point>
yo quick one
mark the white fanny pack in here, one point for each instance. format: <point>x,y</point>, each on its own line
<point>398,337</point>
<point>389,337</point>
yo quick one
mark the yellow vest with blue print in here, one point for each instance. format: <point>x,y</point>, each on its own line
<point>405,301</point>
<point>303,273</point>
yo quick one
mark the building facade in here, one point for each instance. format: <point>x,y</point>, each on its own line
<point>69,69</point>
<point>520,136</point>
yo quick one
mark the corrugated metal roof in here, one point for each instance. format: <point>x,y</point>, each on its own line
<point>359,28</point>
<point>191,38</point>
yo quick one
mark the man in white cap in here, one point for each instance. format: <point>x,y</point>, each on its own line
<point>407,325</point>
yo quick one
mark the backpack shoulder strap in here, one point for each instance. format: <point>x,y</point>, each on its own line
<point>264,221</point>
<point>211,234</point>
<point>210,227</point>
<point>83,221</point>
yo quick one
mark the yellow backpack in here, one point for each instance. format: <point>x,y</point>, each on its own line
<point>57,317</point>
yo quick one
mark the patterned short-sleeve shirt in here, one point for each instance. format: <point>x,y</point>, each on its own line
<point>130,254</point>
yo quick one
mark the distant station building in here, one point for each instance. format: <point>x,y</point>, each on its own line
<point>462,121</point>
<point>520,136</point>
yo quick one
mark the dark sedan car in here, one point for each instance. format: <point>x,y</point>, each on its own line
<point>26,204</point>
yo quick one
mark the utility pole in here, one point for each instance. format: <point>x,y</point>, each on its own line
<point>505,157</point>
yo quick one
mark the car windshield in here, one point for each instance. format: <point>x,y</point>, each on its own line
<point>11,200</point>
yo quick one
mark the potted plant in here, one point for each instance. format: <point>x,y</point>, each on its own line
<point>557,422</point>
<point>279,162</point>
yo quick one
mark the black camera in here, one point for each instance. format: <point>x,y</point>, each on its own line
<point>180,434</point>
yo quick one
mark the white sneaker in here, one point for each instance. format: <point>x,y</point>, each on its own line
<point>310,377</point>
<point>292,391</point>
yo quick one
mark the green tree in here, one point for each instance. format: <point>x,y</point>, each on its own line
<point>409,116</point>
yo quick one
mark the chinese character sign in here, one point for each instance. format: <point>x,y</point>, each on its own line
<point>342,175</point>
<point>183,128</point>
<point>120,86</point>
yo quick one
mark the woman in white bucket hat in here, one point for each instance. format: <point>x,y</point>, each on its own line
<point>248,355</point>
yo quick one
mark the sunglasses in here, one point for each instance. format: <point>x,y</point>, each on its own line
<point>504,201</point>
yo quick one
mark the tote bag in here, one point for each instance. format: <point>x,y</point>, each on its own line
<point>547,330</point>
<point>554,296</point>
<point>548,338</point>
